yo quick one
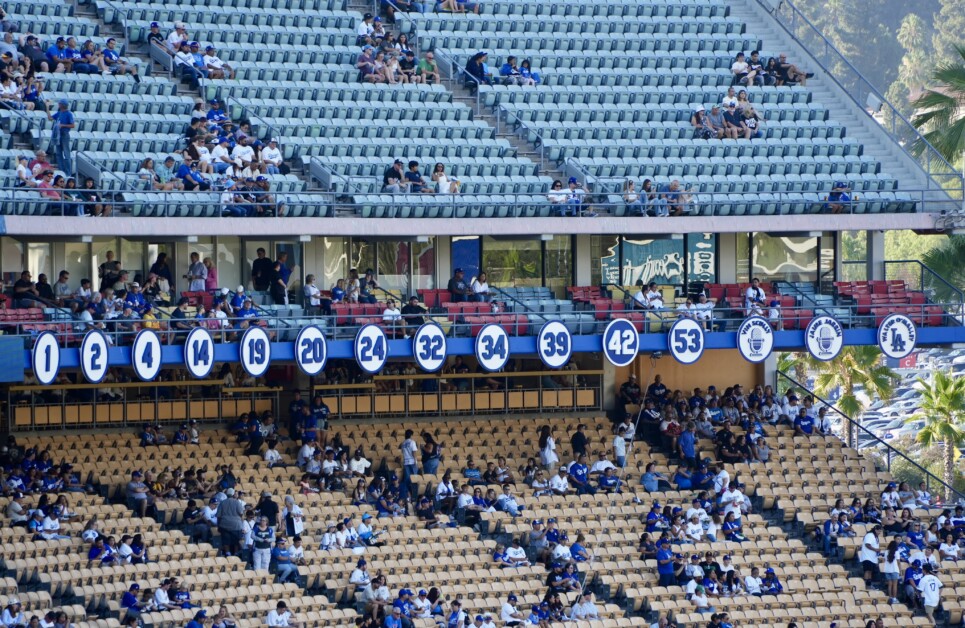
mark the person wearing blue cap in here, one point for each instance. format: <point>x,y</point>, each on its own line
<point>839,199</point>
<point>665,564</point>
<point>509,614</point>
<point>154,36</point>
<point>402,609</point>
<point>64,121</point>
<point>200,618</point>
<point>217,69</point>
<point>771,585</point>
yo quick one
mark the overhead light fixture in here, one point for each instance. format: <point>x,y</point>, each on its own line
<point>304,238</point>
<point>546,237</point>
<point>191,239</point>
<point>86,239</point>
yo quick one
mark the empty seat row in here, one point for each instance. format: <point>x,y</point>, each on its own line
<point>266,91</point>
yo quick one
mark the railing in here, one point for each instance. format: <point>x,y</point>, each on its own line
<point>454,72</point>
<point>918,276</point>
<point>162,203</point>
<point>867,98</point>
<point>76,406</point>
<point>481,393</point>
<point>522,320</point>
<point>889,454</point>
<point>854,271</point>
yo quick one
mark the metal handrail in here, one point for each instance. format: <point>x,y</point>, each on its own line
<point>517,303</point>
<point>521,205</point>
<point>929,477</point>
<point>455,70</point>
<point>797,18</point>
<point>925,271</point>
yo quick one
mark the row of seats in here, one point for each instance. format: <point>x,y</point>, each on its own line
<point>594,25</point>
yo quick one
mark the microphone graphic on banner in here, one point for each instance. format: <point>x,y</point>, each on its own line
<point>825,338</point>
<point>756,340</point>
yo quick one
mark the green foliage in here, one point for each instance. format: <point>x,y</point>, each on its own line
<point>949,29</point>
<point>948,261</point>
<point>940,109</point>
<point>942,408</point>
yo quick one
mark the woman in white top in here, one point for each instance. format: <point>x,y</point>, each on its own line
<point>557,195</point>
<point>444,185</point>
<point>584,608</point>
<point>730,98</point>
<point>354,287</point>
<point>293,517</point>
<point>699,599</point>
<point>891,570</point>
<point>949,550</point>
<point>653,296</point>
<point>694,529</point>
<point>480,288</point>
<point>547,449</point>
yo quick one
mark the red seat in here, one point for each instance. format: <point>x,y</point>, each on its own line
<point>636,319</point>
<point>934,316</point>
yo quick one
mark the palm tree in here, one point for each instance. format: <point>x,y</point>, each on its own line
<point>854,367</point>
<point>943,410</point>
<point>948,262</point>
<point>940,110</point>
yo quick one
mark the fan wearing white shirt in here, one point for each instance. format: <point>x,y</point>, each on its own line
<point>281,616</point>
<point>753,583</point>
<point>271,157</point>
<point>559,483</point>
<point>602,464</point>
<point>272,456</point>
<point>694,530</point>
<point>930,588</point>
<point>243,154</point>
<point>392,316</point>
<point>509,614</point>
<point>217,69</point>
<point>313,296</point>
<point>584,608</point>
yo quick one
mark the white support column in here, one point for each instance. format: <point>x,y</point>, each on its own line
<point>443,260</point>
<point>876,255</point>
<point>727,258</point>
<point>581,260</point>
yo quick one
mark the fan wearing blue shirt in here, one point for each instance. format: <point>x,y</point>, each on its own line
<point>687,444</point>
<point>198,621</point>
<point>215,113</point>
<point>665,566</point>
<point>771,585</point>
<point>129,600</point>
<point>803,424</point>
<point>913,576</point>
<point>579,477</point>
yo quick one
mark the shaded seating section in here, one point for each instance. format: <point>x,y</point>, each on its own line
<point>797,484</point>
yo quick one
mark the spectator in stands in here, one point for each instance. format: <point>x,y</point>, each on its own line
<point>428,70</point>
<point>714,122</point>
<point>734,123</point>
<point>790,74</point>
<point>702,128</point>
<point>480,288</point>
<point>929,587</point>
<point>868,554</point>
<point>741,71</point>
<point>476,70</point>
<point>190,177</point>
<point>459,291</point>
<point>753,121</point>
<point>176,38</point>
<point>63,121</point>
<point>114,64</point>
<point>839,200</point>
<point>215,67</point>
<point>547,449</point>
<point>444,184</point>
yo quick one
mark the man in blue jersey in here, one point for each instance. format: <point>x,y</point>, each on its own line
<point>803,423</point>
<point>579,477</point>
<point>112,59</point>
<point>665,564</point>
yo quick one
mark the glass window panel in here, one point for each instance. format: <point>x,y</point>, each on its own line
<point>424,265</point>
<point>12,260</point>
<point>99,250</point>
<point>293,262</point>
<point>743,257</point>
<point>465,255</point>
<point>229,262</point>
<point>38,259</point>
<point>702,258</point>
<point>785,258</point>
<point>335,261</point>
<point>558,263</point>
<point>604,259</point>
<point>251,253</point>
<point>512,262</point>
<point>645,260</point>
<point>77,262</point>
<point>132,256</point>
<point>363,256</point>
<point>393,267</point>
